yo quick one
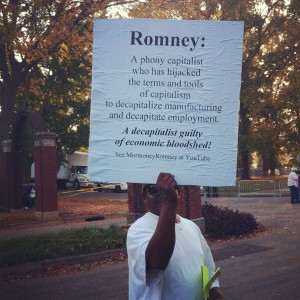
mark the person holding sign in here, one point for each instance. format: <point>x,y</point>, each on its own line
<point>166,252</point>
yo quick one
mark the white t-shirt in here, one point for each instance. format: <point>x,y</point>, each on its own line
<point>182,278</point>
<point>293,179</point>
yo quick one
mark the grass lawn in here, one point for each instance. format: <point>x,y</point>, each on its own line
<point>68,242</point>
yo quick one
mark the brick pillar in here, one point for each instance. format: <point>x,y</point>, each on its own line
<point>7,173</point>
<point>136,207</point>
<point>190,205</point>
<point>190,202</point>
<point>45,176</point>
<point>12,176</point>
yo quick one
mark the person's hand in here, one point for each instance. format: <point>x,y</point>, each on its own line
<point>167,187</point>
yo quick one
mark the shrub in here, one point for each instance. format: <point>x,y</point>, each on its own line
<point>221,222</point>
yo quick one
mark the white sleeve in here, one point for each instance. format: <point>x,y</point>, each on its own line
<point>138,238</point>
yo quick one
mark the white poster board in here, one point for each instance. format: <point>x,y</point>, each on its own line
<point>165,98</point>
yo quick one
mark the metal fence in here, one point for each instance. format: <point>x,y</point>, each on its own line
<point>284,190</point>
<point>250,188</point>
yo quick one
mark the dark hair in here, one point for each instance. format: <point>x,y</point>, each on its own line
<point>151,189</point>
<point>147,184</point>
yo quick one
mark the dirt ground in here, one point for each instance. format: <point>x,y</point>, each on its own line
<point>68,208</point>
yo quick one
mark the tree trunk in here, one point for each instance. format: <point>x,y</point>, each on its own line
<point>245,165</point>
<point>243,143</point>
<point>269,163</point>
<point>266,161</point>
<point>273,163</point>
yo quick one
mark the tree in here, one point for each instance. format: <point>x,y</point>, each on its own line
<point>32,36</point>
<point>263,20</point>
<point>45,60</point>
<point>274,119</point>
<point>290,92</point>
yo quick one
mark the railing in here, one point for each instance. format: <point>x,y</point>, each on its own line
<point>250,188</point>
<point>221,191</point>
<point>257,188</point>
<point>284,190</point>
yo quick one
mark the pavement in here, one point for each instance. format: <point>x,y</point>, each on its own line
<point>265,266</point>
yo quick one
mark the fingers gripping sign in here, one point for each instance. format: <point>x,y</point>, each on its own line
<point>167,185</point>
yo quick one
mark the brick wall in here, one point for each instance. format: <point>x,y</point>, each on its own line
<point>189,205</point>
<point>7,184</point>
<point>190,202</point>
<point>45,167</point>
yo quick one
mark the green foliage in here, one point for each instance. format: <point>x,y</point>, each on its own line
<point>46,50</point>
<point>269,110</point>
<point>64,243</point>
<point>222,222</point>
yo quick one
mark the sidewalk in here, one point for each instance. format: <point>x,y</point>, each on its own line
<point>34,228</point>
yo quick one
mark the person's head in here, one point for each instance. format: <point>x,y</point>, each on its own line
<point>293,169</point>
<point>152,198</point>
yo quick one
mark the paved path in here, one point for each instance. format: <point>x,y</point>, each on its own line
<point>265,267</point>
<point>54,226</point>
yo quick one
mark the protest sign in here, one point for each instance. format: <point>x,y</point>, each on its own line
<point>165,98</point>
